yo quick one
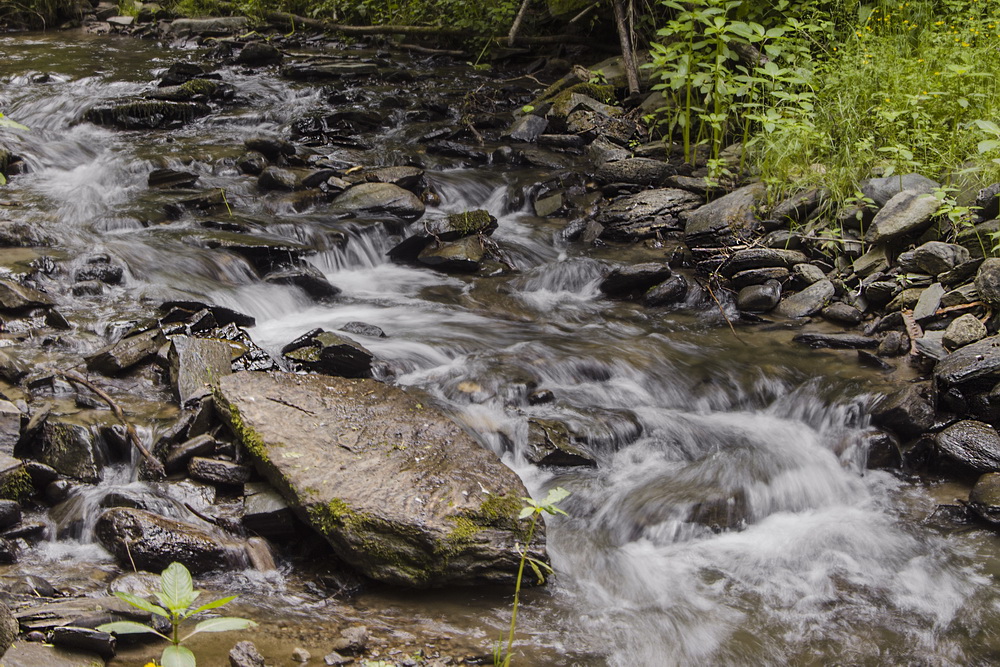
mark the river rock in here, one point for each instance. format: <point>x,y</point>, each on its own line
<point>551,444</point>
<point>842,313</point>
<point>928,303</point>
<point>933,258</point>
<point>881,190</point>
<point>267,513</point>
<point>758,258</point>
<point>178,457</point>
<point>964,330</point>
<point>407,177</point>
<point>30,654</point>
<point>85,639</point>
<point>646,214</point>
<point>328,71</point>
<point>118,357</point>
<point>352,641</point>
<point>909,411</point>
<point>363,329</point>
<point>636,170</point>
<point>245,654</point>
<point>988,281</point>
<point>277,178</point>
<point>670,291</point>
<point>14,296</point>
<point>462,256</point>
<point>836,340</point>
<point>977,363</point>
<point>984,499</point>
<point>368,198</point>
<point>625,281</point>
<point>973,444</point>
<point>807,302</point>
<point>196,364</point>
<point>405,495</point>
<point>908,212</point>
<point>307,278</point>
<point>322,351</point>
<point>179,311</point>
<point>259,54</point>
<point>8,628</point>
<point>725,220</point>
<point>808,274</point>
<point>145,114</point>
<point>247,355</point>
<point>153,542</point>
<point>759,276</point>
<point>210,27</point>
<point>960,296</point>
<point>759,298</point>
<point>10,513</point>
<point>10,426</point>
<point>221,473</point>
<point>73,448</point>
<point>527,128</point>
<point>251,163</point>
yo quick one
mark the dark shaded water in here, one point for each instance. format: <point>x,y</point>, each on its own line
<point>833,564</point>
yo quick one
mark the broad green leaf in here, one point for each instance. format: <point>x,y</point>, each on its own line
<point>223,624</point>
<point>3,180</point>
<point>143,603</point>
<point>177,656</point>
<point>7,122</point>
<point>212,605</point>
<point>526,512</point>
<point>988,145</point>
<point>128,628</point>
<point>988,126</point>
<point>556,495</point>
<point>177,587</point>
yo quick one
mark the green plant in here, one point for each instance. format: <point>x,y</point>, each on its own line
<point>502,656</point>
<point>8,123</point>
<point>176,597</point>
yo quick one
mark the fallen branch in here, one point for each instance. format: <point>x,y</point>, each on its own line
<point>913,330</point>
<point>516,26</point>
<point>628,56</point>
<point>154,464</point>
<point>722,311</point>
<point>416,48</point>
<point>961,306</point>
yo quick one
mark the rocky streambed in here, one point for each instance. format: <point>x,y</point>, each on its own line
<point>353,304</point>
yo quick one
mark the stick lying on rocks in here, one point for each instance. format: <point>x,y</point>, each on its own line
<point>155,467</point>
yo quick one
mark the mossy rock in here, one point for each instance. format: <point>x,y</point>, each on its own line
<point>400,491</point>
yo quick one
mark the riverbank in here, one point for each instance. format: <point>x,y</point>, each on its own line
<point>567,223</point>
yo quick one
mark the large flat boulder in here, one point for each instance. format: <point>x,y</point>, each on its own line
<point>399,490</point>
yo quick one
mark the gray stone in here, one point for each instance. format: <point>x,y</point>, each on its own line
<point>894,344</point>
<point>353,640</point>
<point>909,411</point>
<point>808,273</point>
<point>960,296</point>
<point>142,584</point>
<point>550,205</point>
<point>276,178</point>
<point>527,128</point>
<point>326,352</point>
<point>178,457</point>
<point>973,444</point>
<point>933,258</point>
<point>907,213</point>
<point>601,150</point>
<point>221,473</point>
<point>756,258</point>
<point>266,513</point>
<point>307,278</point>
<point>984,499</point>
<point>842,313</point>
<point>625,281</point>
<point>725,220</point>
<point>978,362</point>
<point>14,296</point>
<point>212,27</point>
<point>72,447</point>
<point>257,54</point>
<point>906,299</point>
<point>798,207</point>
<point>363,329</point>
<point>462,256</point>
<point>126,353</point>
<point>84,639</point>
<point>964,330</point>
<point>10,513</point>
<point>196,364</point>
<point>637,171</point>
<point>8,628</point>
<point>373,198</point>
<point>10,426</point>
<point>881,292</point>
<point>873,261</point>
<point>334,658</point>
<point>646,214</point>
<point>836,340</point>
<point>988,281</point>
<point>328,71</point>
<point>807,302</point>
<point>407,177</point>
<point>30,654</point>
<point>145,114</point>
<point>375,440</point>
<point>881,190</point>
<point>551,444</point>
<point>301,655</point>
<point>245,654</point>
<point>928,303</point>
<point>759,298</point>
<point>670,291</point>
<point>153,542</point>
<point>455,226</point>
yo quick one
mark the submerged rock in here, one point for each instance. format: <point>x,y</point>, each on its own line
<point>984,499</point>
<point>404,494</point>
<point>153,542</point>
<point>146,114</point>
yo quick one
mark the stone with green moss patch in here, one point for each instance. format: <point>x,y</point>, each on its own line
<point>399,491</point>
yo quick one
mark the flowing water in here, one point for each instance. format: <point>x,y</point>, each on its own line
<point>692,427</point>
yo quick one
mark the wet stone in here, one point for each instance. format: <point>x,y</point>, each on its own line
<point>307,278</point>
<point>759,276</point>
<point>988,281</point>
<point>14,296</point>
<point>836,341</point>
<point>984,499</point>
<point>724,220</point>
<point>671,291</point>
<point>252,163</point>
<point>807,302</point>
<point>842,313</point>
<point>881,190</point>
<point>276,178</point>
<point>171,178</point>
<point>178,457</point>
<point>85,639</point>
<point>462,256</point>
<point>908,212</point>
<point>976,363</point>
<point>10,513</point>
<point>551,444</point>
<point>933,258</point>
<point>266,513</point>
<point>646,214</point>
<point>245,654</point>
<point>759,298</point>
<point>28,654</point>
<point>909,411</point>
<point>625,281</point>
<point>222,473</point>
<point>928,303</point>
<point>973,444</point>
<point>380,198</point>
<point>352,641</point>
<point>363,329</point>
<point>196,364</point>
<point>326,352</point>
<point>259,54</point>
<point>759,258</point>
<point>964,330</point>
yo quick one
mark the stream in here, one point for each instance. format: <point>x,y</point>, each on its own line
<point>826,562</point>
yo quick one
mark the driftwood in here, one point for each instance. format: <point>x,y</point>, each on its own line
<point>154,464</point>
<point>516,26</point>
